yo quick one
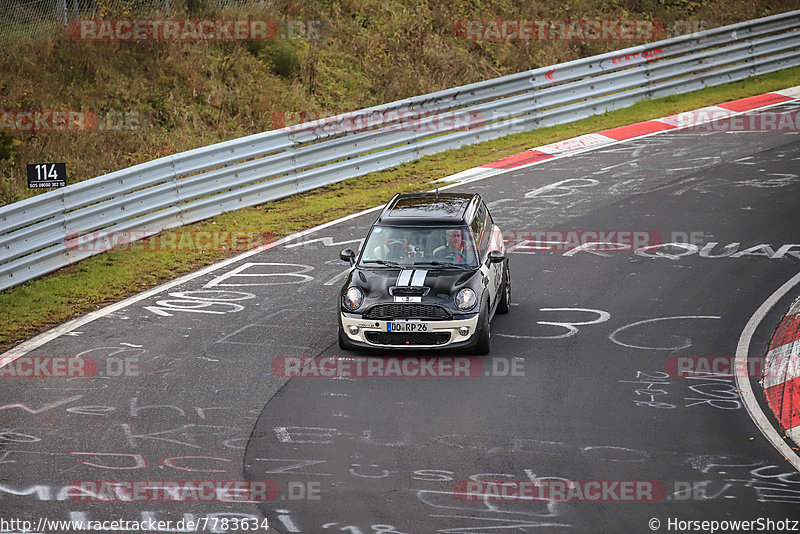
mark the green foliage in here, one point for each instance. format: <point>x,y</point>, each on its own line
<point>282,58</point>
<point>197,8</point>
<point>255,47</point>
<point>115,8</point>
<point>687,6</point>
<point>8,145</point>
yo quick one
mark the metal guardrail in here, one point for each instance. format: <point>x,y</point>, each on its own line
<point>39,235</point>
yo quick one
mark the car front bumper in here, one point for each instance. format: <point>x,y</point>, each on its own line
<point>374,333</point>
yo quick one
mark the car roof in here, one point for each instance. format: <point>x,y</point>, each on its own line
<point>430,209</point>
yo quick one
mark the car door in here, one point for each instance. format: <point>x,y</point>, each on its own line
<point>482,229</point>
<point>494,242</point>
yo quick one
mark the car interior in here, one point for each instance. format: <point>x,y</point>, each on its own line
<point>406,246</point>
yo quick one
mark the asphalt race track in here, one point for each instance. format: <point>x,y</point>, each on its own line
<point>591,399</point>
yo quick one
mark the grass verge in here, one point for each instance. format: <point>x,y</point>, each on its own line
<point>85,286</point>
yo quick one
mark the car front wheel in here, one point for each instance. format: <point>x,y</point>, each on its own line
<point>483,345</point>
<point>505,295</point>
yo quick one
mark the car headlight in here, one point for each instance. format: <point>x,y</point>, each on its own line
<point>466,299</point>
<point>353,298</point>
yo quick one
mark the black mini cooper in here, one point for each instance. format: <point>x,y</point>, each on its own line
<point>431,274</point>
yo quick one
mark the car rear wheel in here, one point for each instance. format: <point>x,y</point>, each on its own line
<point>483,346</point>
<point>505,294</point>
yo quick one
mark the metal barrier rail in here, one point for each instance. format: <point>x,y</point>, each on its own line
<point>41,234</point>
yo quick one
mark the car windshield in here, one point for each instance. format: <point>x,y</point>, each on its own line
<point>409,247</point>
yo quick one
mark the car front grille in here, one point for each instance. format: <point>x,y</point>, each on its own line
<point>411,291</point>
<point>408,338</point>
<point>407,311</point>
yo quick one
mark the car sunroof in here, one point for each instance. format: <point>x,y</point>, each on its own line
<point>426,207</point>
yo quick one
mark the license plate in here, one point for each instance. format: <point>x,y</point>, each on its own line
<point>407,298</point>
<point>406,327</point>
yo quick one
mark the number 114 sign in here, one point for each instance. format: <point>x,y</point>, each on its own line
<point>46,175</point>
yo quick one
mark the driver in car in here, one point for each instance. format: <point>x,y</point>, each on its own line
<point>455,249</point>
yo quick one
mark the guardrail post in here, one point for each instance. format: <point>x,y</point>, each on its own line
<point>751,52</point>
<point>174,188</point>
<point>64,230</point>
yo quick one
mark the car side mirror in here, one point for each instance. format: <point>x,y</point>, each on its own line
<point>348,255</point>
<point>496,256</point>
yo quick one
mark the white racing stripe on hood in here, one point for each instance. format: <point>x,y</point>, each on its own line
<point>405,277</point>
<point>419,278</point>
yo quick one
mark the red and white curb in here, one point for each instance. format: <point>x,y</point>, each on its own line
<point>781,380</point>
<point>592,141</point>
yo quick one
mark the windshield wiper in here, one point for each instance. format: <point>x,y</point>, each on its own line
<point>443,264</point>
<point>386,263</point>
